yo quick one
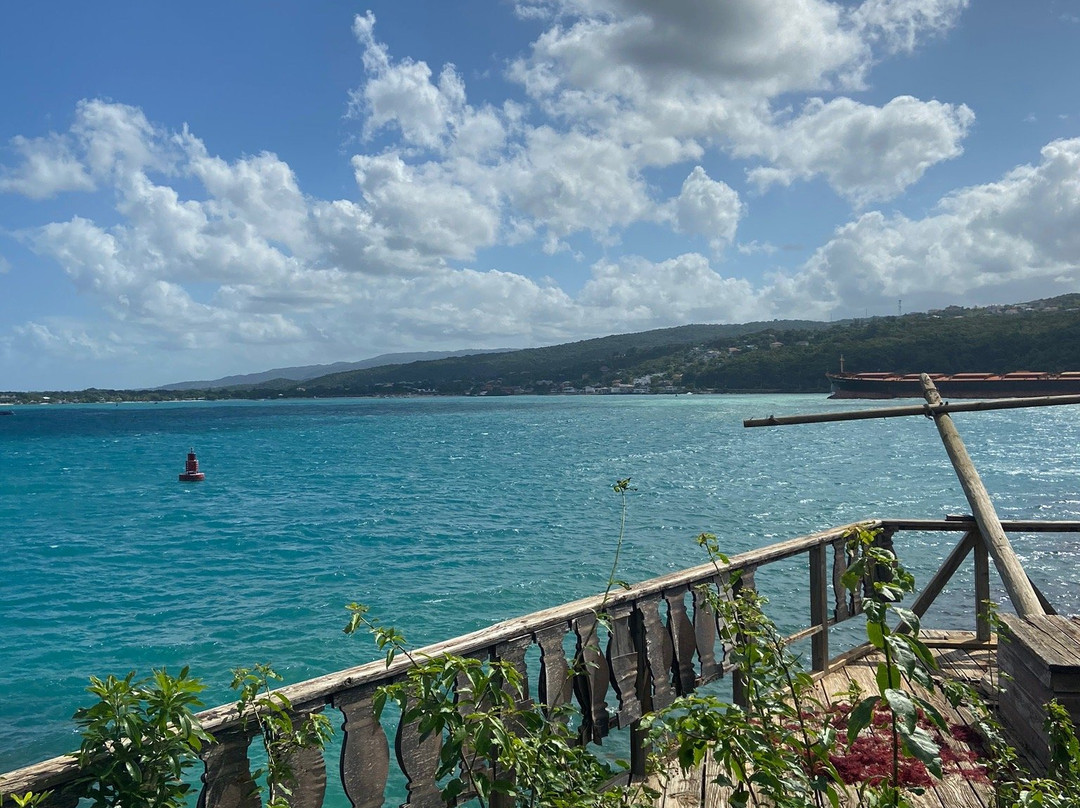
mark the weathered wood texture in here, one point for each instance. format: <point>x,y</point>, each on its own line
<point>993,534</point>
<point>658,639</point>
<point>1040,659</point>
<point>907,410</point>
<point>697,787</point>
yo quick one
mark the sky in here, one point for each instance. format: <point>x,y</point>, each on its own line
<point>192,190</point>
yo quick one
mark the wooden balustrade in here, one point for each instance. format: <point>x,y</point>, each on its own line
<point>659,639</point>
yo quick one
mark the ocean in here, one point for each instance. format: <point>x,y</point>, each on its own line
<point>443,514</point>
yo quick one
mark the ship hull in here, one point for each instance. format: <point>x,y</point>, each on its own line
<point>960,385</point>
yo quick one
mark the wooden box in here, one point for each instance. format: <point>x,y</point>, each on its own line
<point>1039,660</point>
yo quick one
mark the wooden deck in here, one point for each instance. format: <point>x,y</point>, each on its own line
<point>959,657</point>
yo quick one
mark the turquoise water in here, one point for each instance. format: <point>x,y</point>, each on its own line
<point>444,515</point>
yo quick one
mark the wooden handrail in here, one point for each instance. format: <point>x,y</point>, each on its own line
<point>649,660</point>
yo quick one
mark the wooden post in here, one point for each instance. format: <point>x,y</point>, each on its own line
<point>982,591</point>
<point>1012,573</point>
<point>819,609</point>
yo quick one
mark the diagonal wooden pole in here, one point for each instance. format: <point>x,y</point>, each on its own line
<point>1009,568</point>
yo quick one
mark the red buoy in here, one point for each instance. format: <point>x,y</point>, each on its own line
<point>191,473</point>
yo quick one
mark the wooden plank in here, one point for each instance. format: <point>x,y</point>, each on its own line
<point>1054,648</point>
<point>680,789</point>
<point>951,523</point>
<point>1069,627</point>
<point>1009,568</point>
<point>928,409</point>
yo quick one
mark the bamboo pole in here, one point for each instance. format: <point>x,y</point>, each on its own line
<point>1012,573</point>
<point>913,409</point>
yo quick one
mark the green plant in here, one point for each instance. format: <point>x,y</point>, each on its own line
<point>494,741</point>
<point>772,748</point>
<point>282,736</point>
<point>139,739</point>
<point>877,571</point>
<point>30,799</point>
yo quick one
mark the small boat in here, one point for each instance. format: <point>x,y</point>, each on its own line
<point>191,473</point>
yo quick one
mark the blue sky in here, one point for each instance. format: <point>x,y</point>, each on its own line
<point>195,190</point>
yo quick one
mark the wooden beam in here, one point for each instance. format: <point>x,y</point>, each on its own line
<point>1012,572</point>
<point>957,523</point>
<point>913,409</point>
<point>944,574</point>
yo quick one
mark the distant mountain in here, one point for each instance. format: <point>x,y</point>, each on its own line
<point>305,372</point>
<point>580,362</point>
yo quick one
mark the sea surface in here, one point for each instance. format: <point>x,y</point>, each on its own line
<point>443,514</point>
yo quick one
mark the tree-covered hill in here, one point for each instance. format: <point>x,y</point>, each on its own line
<point>778,356</point>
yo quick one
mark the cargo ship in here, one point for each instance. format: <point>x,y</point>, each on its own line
<point>1018,384</point>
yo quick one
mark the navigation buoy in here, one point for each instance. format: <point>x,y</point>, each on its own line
<point>191,473</point>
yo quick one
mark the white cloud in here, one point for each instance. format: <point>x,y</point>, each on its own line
<point>900,24</point>
<point>978,242</point>
<point>571,182</point>
<point>635,294</point>
<point>622,46</point>
<point>423,209</point>
<point>707,208</point>
<point>866,153</point>
<point>48,168</point>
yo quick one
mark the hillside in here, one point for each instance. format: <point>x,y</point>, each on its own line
<point>779,356</point>
<point>304,372</point>
<point>534,369</point>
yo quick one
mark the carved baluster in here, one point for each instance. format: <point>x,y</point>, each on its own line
<point>419,760</point>
<point>365,752</point>
<point>705,637</point>
<point>476,767</point>
<point>623,664</point>
<point>840,593</point>
<point>855,596</point>
<point>554,681</point>
<point>513,651</point>
<point>682,637</point>
<point>658,652</point>
<point>738,686</point>
<point>227,779</point>
<point>591,679</point>
<point>308,767</point>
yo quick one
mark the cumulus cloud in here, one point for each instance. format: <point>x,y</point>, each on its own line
<point>708,208</point>
<point>978,241</point>
<point>48,168</point>
<point>900,25</point>
<point>865,153</point>
<point>685,289</point>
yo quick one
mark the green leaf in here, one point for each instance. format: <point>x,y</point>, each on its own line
<point>876,634</point>
<point>903,708</point>
<point>920,745</point>
<point>887,677</point>
<point>860,717</point>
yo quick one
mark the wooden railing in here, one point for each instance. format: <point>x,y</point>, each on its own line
<point>662,642</point>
